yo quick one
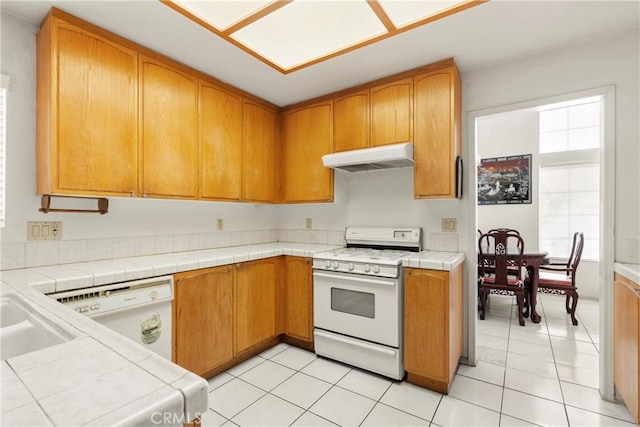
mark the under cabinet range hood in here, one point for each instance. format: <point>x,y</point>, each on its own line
<point>384,157</point>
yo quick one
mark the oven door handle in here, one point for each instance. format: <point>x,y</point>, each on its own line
<point>353,278</point>
<point>354,343</point>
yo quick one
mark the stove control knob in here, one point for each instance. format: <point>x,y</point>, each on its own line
<point>335,265</point>
<point>327,264</point>
<point>376,269</point>
<point>351,266</point>
<point>367,268</point>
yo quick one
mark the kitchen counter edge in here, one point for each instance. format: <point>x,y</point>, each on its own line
<point>630,271</point>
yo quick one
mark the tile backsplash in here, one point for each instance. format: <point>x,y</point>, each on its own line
<point>36,254</point>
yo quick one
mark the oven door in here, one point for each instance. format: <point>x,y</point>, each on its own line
<point>364,307</point>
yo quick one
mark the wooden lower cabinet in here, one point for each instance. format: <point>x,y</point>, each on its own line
<point>224,315</point>
<point>203,319</point>
<point>255,302</point>
<point>626,342</point>
<point>432,326</point>
<point>299,298</point>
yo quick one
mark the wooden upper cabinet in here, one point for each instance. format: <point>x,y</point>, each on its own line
<point>437,133</point>
<point>203,319</point>
<point>168,131</point>
<point>256,301</point>
<point>259,153</point>
<point>87,102</point>
<point>351,122</point>
<point>392,113</point>
<point>306,136</point>
<point>221,143</point>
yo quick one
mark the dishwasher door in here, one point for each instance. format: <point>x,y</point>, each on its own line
<point>140,310</point>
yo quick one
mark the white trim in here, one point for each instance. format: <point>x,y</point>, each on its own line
<point>607,217</point>
<point>607,244</point>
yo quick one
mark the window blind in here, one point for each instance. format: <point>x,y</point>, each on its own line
<point>569,184</point>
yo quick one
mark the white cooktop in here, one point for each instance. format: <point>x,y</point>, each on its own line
<point>386,256</point>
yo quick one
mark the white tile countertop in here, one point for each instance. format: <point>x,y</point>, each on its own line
<point>99,377</point>
<point>434,260</point>
<point>630,271</point>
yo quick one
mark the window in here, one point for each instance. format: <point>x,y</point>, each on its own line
<point>3,137</point>
<point>569,190</point>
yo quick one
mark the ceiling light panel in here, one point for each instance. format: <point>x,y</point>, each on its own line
<point>223,13</point>
<point>306,29</point>
<point>403,12</point>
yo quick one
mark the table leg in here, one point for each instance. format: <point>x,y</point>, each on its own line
<point>533,296</point>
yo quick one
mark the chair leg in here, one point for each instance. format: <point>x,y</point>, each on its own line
<point>483,302</point>
<point>568,302</point>
<point>520,299</point>
<point>573,308</point>
<point>527,291</point>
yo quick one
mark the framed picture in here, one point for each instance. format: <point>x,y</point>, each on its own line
<point>505,180</point>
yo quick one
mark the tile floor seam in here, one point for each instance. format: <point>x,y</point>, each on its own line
<point>504,375</point>
<point>433,417</point>
<point>555,364</point>
<point>598,413</point>
<point>401,410</point>
<point>375,404</point>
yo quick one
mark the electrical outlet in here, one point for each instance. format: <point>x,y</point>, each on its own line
<point>51,230</point>
<point>219,224</point>
<point>449,225</point>
<point>309,223</point>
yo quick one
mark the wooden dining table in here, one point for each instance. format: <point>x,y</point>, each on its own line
<point>532,262</point>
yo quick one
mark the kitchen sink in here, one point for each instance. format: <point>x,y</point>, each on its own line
<point>23,330</point>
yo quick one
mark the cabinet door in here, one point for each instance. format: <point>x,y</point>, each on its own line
<point>626,344</point>
<point>437,133</point>
<point>255,302</point>
<point>306,138</point>
<point>169,133</point>
<point>95,147</point>
<point>426,325</point>
<point>259,153</point>
<point>221,136</point>
<point>392,113</point>
<point>351,122</point>
<point>299,298</point>
<point>203,319</point>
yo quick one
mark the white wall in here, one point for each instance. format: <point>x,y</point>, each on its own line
<point>509,135</point>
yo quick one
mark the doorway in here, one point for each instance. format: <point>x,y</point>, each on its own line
<point>503,126</point>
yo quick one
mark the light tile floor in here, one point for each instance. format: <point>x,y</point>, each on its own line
<point>544,374</point>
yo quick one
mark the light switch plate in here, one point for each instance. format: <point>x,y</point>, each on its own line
<point>47,230</point>
<point>309,223</point>
<point>219,224</point>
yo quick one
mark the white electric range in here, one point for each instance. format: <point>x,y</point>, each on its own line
<point>358,298</point>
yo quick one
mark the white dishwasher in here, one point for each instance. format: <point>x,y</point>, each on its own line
<point>140,310</point>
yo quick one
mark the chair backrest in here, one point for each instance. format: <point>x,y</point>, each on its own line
<point>576,251</point>
<point>493,230</point>
<point>498,250</point>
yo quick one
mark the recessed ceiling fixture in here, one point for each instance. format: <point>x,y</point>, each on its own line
<point>289,35</point>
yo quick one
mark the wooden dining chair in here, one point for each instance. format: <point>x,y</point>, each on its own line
<point>500,254</point>
<point>560,278</point>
